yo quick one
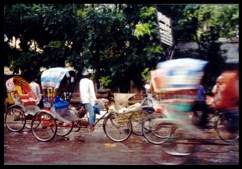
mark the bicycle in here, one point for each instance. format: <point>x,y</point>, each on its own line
<point>224,124</point>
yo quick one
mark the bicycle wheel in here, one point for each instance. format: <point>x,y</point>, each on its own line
<point>63,129</point>
<point>155,129</point>
<point>15,119</point>
<point>43,126</point>
<point>117,127</point>
<point>137,119</point>
<point>226,130</point>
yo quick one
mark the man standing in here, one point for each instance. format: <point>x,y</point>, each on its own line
<point>88,97</point>
<point>36,89</point>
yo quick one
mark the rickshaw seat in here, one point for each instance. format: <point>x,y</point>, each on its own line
<point>11,94</point>
<point>10,98</point>
<point>27,100</point>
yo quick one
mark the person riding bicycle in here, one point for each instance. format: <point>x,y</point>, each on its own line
<point>226,95</point>
<point>88,97</point>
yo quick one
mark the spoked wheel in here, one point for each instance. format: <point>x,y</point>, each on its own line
<point>64,129</point>
<point>15,119</point>
<point>117,127</point>
<point>156,130</point>
<point>43,126</point>
<point>137,119</point>
<point>226,129</point>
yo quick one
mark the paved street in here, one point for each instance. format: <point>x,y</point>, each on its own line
<point>83,148</point>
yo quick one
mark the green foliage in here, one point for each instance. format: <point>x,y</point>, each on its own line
<point>105,81</point>
<point>54,44</point>
<point>119,41</point>
<point>146,74</point>
<point>147,11</point>
<point>147,15</point>
<point>141,30</point>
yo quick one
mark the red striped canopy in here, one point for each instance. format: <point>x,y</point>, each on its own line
<point>15,81</point>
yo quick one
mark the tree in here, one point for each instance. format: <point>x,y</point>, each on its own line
<point>119,41</point>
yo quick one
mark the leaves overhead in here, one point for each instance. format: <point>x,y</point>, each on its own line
<point>119,41</point>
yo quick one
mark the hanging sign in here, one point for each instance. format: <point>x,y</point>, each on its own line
<point>165,30</point>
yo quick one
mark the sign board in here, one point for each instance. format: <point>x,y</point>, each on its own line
<point>165,30</point>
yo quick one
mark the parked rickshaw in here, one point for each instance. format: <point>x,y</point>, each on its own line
<point>21,104</point>
<point>57,118</point>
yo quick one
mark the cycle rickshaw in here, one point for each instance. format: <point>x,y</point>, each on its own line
<point>21,104</point>
<point>58,118</point>
<point>176,82</point>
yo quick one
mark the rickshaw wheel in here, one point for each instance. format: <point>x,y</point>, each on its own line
<point>15,119</point>
<point>43,126</point>
<point>156,131</point>
<point>117,127</point>
<point>137,119</point>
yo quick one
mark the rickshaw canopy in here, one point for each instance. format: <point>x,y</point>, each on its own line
<point>53,77</point>
<point>20,85</point>
<point>178,74</point>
